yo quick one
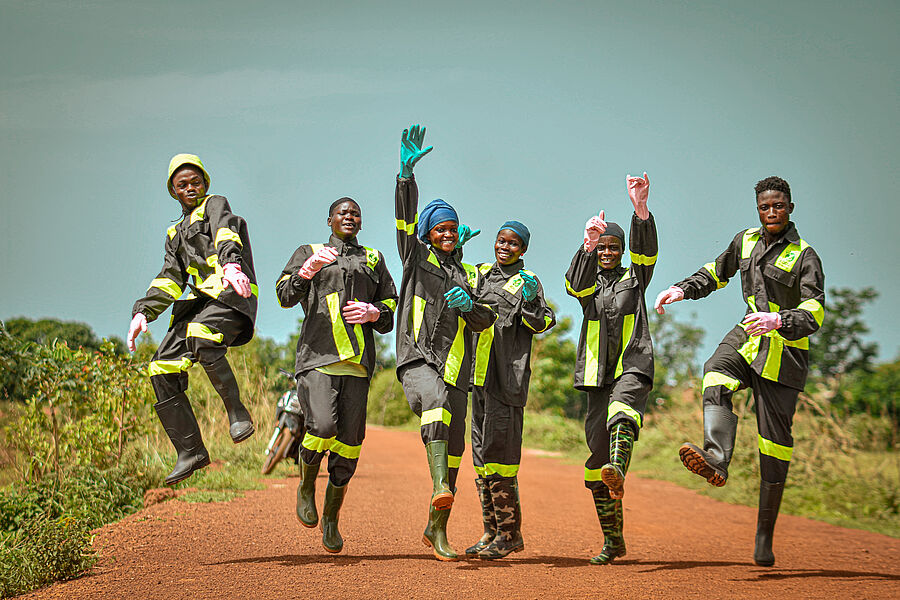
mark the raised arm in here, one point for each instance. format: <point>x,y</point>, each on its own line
<point>406,195</point>
<point>711,277</point>
<point>642,240</point>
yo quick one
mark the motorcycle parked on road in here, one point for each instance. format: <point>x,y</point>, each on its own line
<point>289,429</point>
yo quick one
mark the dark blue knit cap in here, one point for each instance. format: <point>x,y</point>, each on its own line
<point>436,212</point>
<point>519,229</point>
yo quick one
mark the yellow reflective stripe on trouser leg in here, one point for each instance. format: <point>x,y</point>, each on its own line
<point>164,367</point>
<point>434,415</point>
<point>349,452</point>
<point>712,379</point>
<point>457,351</point>
<point>501,469</point>
<point>317,444</point>
<point>620,407</point>
<point>627,331</point>
<point>483,354</point>
<point>770,448</point>
<point>338,331</point>
<point>591,353</point>
<point>199,330</point>
<point>453,462</point>
<point>592,474</point>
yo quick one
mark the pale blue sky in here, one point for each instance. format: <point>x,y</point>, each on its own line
<point>537,111</point>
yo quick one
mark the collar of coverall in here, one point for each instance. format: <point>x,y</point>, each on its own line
<point>790,234</point>
<point>340,244</point>
<point>510,270</point>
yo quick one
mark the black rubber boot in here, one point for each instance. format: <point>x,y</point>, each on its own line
<point>719,430</point>
<point>508,514</point>
<point>441,495</point>
<point>610,513</point>
<point>769,503</point>
<point>222,379</point>
<point>331,537</point>
<point>180,424</point>
<point>621,445</point>
<point>487,516</point>
<point>306,495</point>
<point>435,534</point>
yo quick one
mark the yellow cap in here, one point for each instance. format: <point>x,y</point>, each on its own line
<point>178,161</point>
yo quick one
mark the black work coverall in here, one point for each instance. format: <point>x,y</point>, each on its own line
<point>785,277</point>
<point>212,317</point>
<point>503,368</point>
<point>614,364</point>
<point>434,342</point>
<point>335,360</point>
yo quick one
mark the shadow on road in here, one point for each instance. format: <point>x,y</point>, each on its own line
<point>349,559</point>
<point>764,574</point>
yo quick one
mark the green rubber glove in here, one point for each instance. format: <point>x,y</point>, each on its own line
<point>458,298</point>
<point>530,287</point>
<point>465,234</point>
<point>411,149</point>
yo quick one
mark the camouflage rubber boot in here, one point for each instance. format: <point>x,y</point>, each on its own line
<point>508,513</point>
<point>621,445</point>
<point>306,495</point>
<point>769,503</point>
<point>331,537</point>
<point>719,431</point>
<point>441,495</point>
<point>487,515</point>
<point>611,515</point>
<point>435,534</point>
<point>177,418</point>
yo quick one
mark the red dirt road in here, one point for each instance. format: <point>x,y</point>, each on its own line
<point>680,545</point>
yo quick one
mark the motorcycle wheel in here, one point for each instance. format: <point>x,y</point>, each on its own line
<point>282,443</point>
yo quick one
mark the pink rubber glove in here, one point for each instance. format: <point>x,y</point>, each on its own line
<point>323,256</point>
<point>673,294</point>
<point>638,189</point>
<point>360,312</point>
<point>138,326</point>
<point>593,229</point>
<point>233,275</point>
<point>761,323</point>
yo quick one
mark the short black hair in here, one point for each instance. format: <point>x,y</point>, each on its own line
<point>775,184</point>
<point>340,201</point>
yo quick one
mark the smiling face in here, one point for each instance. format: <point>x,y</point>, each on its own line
<point>189,186</point>
<point>609,252</point>
<point>508,247</point>
<point>444,236</point>
<point>345,220</point>
<point>774,212</point>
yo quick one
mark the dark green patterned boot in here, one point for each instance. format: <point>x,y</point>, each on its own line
<point>306,495</point>
<point>610,514</point>
<point>508,514</point>
<point>487,515</point>
<point>621,444</point>
<point>441,495</point>
<point>435,534</point>
<point>331,537</point>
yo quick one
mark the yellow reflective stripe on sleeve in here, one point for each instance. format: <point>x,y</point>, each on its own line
<point>418,314</point>
<point>514,284</point>
<point>748,242</point>
<point>750,349</point>
<point>580,293</point>
<point>434,415</point>
<point>433,259</point>
<point>200,212</point>
<point>164,367</point>
<point>480,471</point>
<point>167,285</point>
<point>483,354</point>
<point>350,452</point>
<point>453,462</point>
<point>199,330</point>
<point>409,228</point>
<point>547,321</point>
<point>390,303</point>
<point>316,444</point>
<point>627,331</point>
<point>371,257</point>
<point>471,275</point>
<point>224,235</point>
<point>171,231</point>
<point>316,247</point>
<point>501,469</point>
<point>770,448</point>
<point>712,379</point>
<point>284,277</point>
<point>592,353</point>
<point>457,351</point>
<point>711,269</point>
<point>592,474</point>
<point>815,308</point>
<point>617,407</point>
<point>642,259</point>
<point>338,331</point>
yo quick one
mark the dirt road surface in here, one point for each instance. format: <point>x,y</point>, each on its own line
<point>680,544</point>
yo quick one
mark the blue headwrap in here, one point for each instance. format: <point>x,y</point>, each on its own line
<point>436,212</point>
<point>519,229</point>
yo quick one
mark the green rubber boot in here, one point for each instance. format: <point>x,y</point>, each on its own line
<point>487,516</point>
<point>306,495</point>
<point>435,534</point>
<point>331,537</point>
<point>621,445</point>
<point>508,513</point>
<point>610,514</point>
<point>441,495</point>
